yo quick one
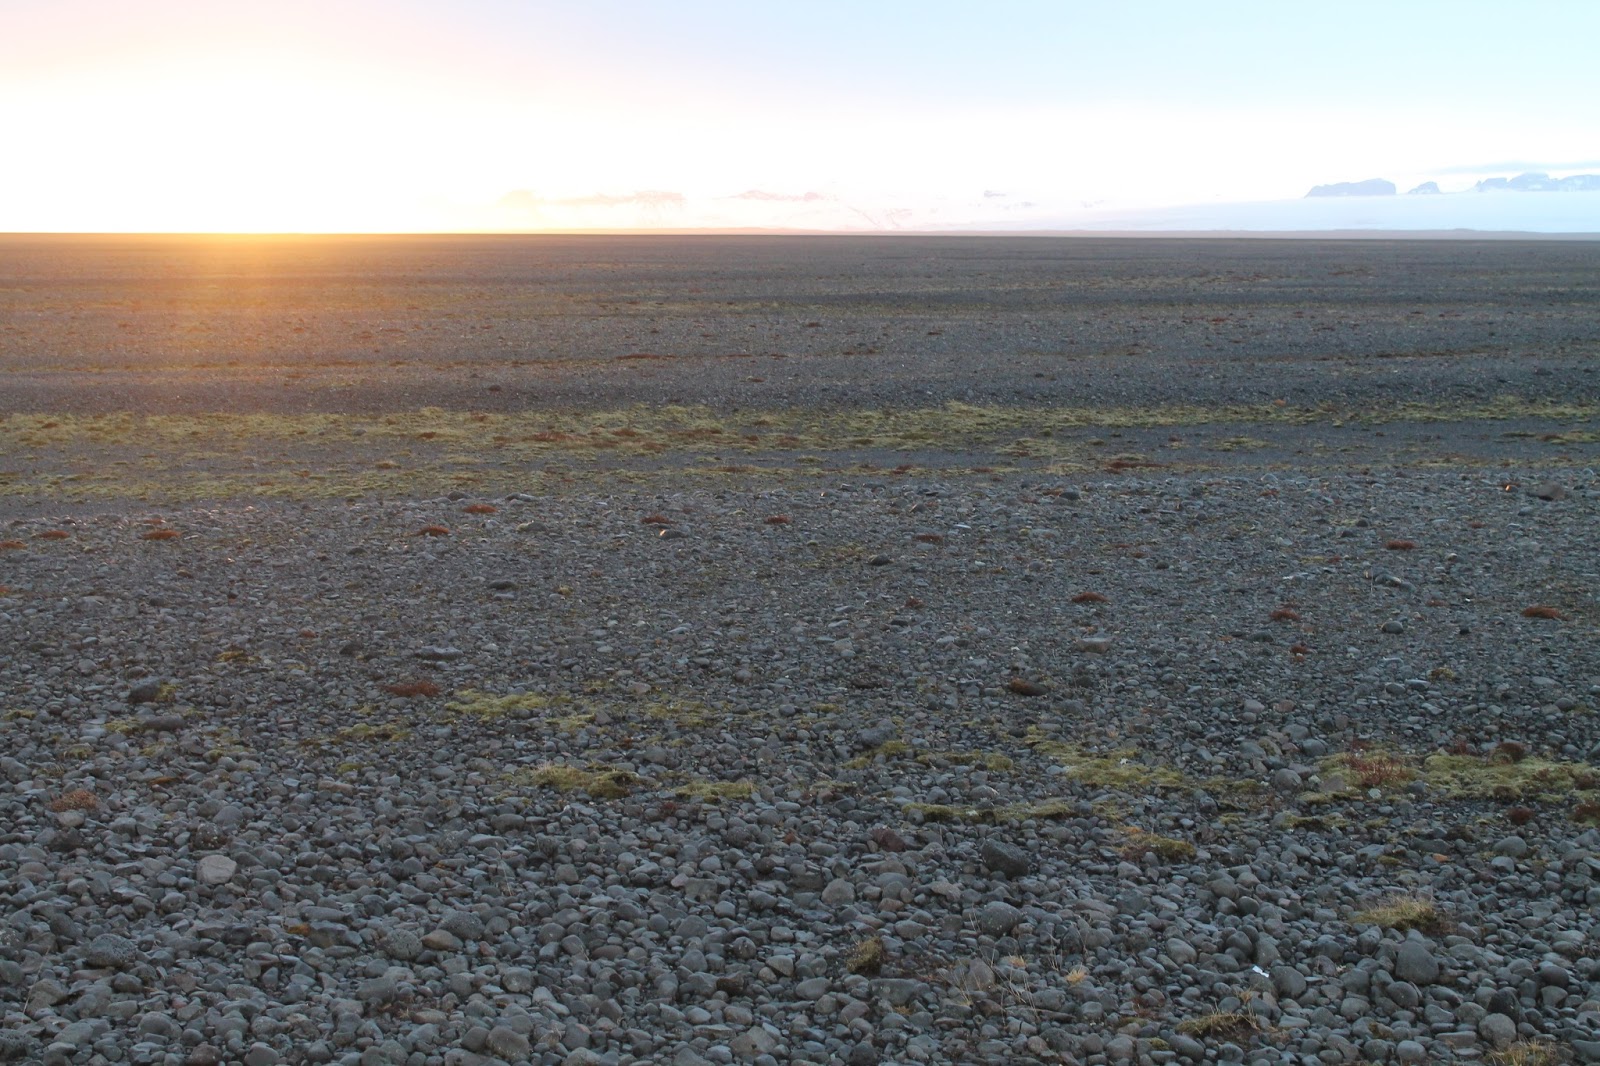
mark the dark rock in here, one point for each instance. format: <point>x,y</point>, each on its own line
<point>1003,858</point>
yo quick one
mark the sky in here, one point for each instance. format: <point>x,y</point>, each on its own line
<point>401,115</point>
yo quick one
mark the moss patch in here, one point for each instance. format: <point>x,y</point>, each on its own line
<point>1119,771</point>
<point>599,780</point>
<point>717,790</point>
<point>1473,777</point>
<point>1016,812</point>
<point>484,705</point>
<point>1404,913</point>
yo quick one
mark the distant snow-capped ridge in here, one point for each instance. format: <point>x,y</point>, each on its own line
<point>1535,182</point>
<point>1530,182</point>
<point>1370,187</point>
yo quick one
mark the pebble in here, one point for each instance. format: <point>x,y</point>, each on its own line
<point>777,852</point>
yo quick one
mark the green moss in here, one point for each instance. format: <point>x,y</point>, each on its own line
<point>487,706</point>
<point>1167,849</point>
<point>1120,770</point>
<point>717,790</point>
<point>690,714</point>
<point>991,761</point>
<point>889,749</point>
<point>600,781</point>
<point>1472,777</point>
<point>368,731</point>
<point>1017,812</point>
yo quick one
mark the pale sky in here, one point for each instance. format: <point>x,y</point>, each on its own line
<point>474,114</point>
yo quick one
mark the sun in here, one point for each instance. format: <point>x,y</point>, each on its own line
<point>244,143</point>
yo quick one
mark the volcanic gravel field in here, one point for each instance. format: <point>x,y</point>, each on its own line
<point>872,650</point>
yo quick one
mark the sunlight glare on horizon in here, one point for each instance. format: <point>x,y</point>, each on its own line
<point>295,117</point>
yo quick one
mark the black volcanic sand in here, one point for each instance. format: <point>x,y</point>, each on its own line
<point>587,651</point>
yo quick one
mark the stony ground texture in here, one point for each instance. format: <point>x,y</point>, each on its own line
<point>1109,751</point>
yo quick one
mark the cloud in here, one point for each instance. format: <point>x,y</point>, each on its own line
<point>762,194</point>
<point>1517,167</point>
<point>655,199</point>
<point>519,200</point>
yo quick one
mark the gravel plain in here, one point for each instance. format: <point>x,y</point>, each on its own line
<point>1252,754</point>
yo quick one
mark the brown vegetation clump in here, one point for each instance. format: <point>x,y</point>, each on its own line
<point>480,508</point>
<point>11,545</point>
<point>1510,751</point>
<point>1284,614</point>
<point>79,799</point>
<point>1378,769</point>
<point>1401,545</point>
<point>52,534</point>
<point>1541,611</point>
<point>413,688</point>
<point>1089,597</point>
<point>1519,815</point>
<point>1023,687</point>
<point>655,520</point>
<point>777,519</point>
<point>161,534</point>
<point>433,531</point>
<point>929,538</point>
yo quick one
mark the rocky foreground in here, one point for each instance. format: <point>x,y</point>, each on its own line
<point>1263,769</point>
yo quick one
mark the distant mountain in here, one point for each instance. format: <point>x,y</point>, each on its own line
<point>1427,188</point>
<point>1370,187</point>
<point>1535,182</point>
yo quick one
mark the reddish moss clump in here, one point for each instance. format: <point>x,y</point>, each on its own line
<point>480,508</point>
<point>52,534</point>
<point>777,520</point>
<point>655,520</point>
<point>1542,612</point>
<point>1285,614</point>
<point>79,799</point>
<point>1401,545</point>
<point>1089,597</point>
<point>433,531</point>
<point>929,538</point>
<point>161,534</point>
<point>11,545</point>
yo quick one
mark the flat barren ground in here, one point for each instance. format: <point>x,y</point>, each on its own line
<point>686,650</point>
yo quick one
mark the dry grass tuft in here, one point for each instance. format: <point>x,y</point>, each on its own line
<point>1527,1053</point>
<point>1221,1025</point>
<point>868,957</point>
<point>52,534</point>
<point>12,545</point>
<point>1405,913</point>
<point>1167,849</point>
<point>1541,611</point>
